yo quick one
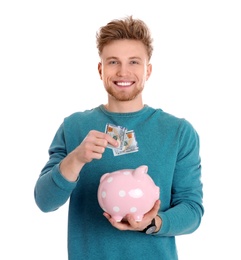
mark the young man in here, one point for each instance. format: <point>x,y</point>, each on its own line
<point>82,151</point>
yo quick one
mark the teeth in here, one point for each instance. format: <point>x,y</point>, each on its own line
<point>123,83</point>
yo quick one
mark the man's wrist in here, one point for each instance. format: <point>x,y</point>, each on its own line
<point>154,227</point>
<point>158,221</point>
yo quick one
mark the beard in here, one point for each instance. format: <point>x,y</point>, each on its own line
<point>122,95</point>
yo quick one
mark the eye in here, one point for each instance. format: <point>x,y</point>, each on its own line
<point>134,62</point>
<point>113,62</point>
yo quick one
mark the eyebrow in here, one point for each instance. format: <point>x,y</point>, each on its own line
<point>130,58</point>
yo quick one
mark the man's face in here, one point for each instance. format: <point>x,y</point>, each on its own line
<point>124,69</point>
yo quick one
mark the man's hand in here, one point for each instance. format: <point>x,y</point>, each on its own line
<point>92,147</point>
<point>129,223</point>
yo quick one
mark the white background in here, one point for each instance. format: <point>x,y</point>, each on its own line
<point>48,69</point>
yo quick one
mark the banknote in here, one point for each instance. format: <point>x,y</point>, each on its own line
<point>118,133</point>
<point>130,144</point>
<point>126,139</point>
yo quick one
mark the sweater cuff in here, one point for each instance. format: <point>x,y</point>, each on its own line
<point>165,224</point>
<point>61,181</point>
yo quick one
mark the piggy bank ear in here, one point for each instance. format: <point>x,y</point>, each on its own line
<point>103,176</point>
<point>142,169</point>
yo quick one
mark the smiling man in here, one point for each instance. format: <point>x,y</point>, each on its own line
<point>124,69</point>
<point>125,133</point>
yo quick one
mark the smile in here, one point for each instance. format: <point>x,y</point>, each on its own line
<point>124,83</point>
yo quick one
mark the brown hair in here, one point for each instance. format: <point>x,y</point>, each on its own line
<point>127,28</point>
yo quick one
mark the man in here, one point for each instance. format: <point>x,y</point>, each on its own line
<point>83,150</point>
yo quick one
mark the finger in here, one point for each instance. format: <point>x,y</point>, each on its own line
<point>103,139</point>
<point>147,218</point>
<point>111,140</point>
<point>135,225</point>
<point>131,223</point>
<point>119,225</point>
<point>154,211</point>
<point>157,206</point>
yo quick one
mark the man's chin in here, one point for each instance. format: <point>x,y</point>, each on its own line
<point>125,97</point>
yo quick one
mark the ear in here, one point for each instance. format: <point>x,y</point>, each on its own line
<point>104,176</point>
<point>148,71</point>
<point>143,169</point>
<point>100,69</point>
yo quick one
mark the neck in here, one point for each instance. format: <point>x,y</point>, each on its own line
<point>124,106</point>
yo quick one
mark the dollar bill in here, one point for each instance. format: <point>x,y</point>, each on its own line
<point>130,144</point>
<point>118,133</point>
<point>126,139</point>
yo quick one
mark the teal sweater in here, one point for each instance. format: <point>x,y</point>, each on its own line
<point>168,145</point>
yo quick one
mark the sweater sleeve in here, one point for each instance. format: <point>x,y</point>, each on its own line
<point>52,190</point>
<point>186,210</point>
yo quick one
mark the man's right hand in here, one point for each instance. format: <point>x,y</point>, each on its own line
<point>92,147</point>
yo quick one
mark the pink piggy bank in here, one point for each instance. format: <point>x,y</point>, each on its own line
<point>127,191</point>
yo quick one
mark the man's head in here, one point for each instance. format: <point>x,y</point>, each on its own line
<point>125,49</point>
<point>127,28</point>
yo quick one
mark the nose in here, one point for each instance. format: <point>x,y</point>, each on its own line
<point>123,70</point>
